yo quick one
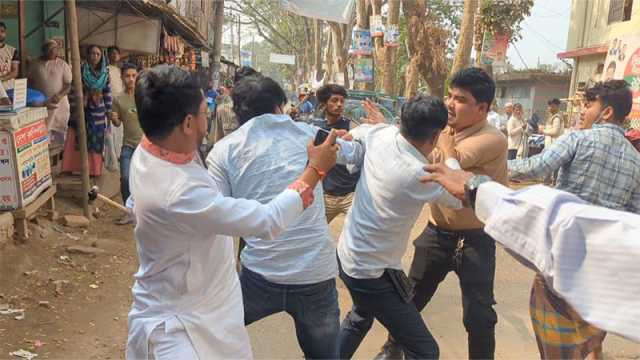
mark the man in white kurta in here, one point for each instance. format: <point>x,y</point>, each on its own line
<point>187,302</point>
<point>586,253</point>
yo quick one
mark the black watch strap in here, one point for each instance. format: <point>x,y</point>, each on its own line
<point>471,189</point>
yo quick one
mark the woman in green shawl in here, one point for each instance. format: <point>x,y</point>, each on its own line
<point>97,104</point>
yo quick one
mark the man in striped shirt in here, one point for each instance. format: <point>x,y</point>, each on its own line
<point>600,166</point>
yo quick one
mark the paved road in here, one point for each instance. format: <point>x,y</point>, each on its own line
<point>274,337</point>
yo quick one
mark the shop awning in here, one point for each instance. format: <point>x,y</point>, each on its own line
<point>173,22</point>
<point>592,50</point>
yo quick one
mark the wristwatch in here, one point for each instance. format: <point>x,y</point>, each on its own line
<point>471,189</point>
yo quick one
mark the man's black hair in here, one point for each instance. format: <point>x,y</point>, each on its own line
<point>128,66</point>
<point>422,117</point>
<point>554,101</point>
<point>243,72</point>
<point>477,82</point>
<point>325,92</point>
<point>256,95</point>
<point>113,48</point>
<point>3,25</point>
<point>165,95</point>
<point>614,93</point>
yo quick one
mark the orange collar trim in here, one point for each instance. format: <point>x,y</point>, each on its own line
<point>166,155</point>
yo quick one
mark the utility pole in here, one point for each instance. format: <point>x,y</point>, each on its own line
<point>254,56</point>
<point>239,43</point>
<point>218,21</point>
<point>74,44</point>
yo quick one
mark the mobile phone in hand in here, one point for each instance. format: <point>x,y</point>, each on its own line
<point>321,137</point>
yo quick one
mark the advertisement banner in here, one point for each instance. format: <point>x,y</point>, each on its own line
<point>623,63</point>
<point>361,42</point>
<point>246,57</point>
<point>282,59</point>
<point>391,36</point>
<point>494,48</point>
<point>377,27</point>
<point>363,69</point>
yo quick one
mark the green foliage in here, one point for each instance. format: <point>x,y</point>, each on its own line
<point>446,15</point>
<point>505,16</point>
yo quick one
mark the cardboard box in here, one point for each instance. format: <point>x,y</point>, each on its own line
<point>25,171</point>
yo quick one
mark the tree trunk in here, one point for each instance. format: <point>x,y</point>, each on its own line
<point>362,22</point>
<point>74,44</point>
<point>378,49</point>
<point>340,55</point>
<point>389,78</point>
<point>328,60</point>
<point>412,78</point>
<point>317,48</point>
<point>465,41</point>
<point>478,36</point>
<point>218,21</point>
<point>414,11</point>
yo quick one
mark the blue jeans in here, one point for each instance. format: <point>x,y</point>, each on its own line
<point>313,307</point>
<point>379,299</point>
<point>125,163</point>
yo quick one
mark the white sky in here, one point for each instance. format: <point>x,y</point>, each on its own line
<point>544,34</point>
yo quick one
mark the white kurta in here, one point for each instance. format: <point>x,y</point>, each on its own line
<point>187,280</point>
<point>516,134</point>
<point>587,254</point>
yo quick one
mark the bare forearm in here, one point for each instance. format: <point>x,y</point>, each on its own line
<point>65,90</point>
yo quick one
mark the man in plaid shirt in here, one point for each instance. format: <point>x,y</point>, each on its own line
<point>602,167</point>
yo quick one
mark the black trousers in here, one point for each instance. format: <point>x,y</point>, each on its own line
<point>471,254</point>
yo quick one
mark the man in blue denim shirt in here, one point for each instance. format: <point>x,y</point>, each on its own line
<point>124,112</point>
<point>295,272</point>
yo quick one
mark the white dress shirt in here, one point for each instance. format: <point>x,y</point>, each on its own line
<point>494,119</point>
<point>587,254</point>
<point>187,280</point>
<point>257,161</point>
<point>387,202</point>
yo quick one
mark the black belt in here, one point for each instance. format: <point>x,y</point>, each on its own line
<point>456,234</point>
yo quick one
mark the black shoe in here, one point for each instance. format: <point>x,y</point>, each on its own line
<point>390,351</point>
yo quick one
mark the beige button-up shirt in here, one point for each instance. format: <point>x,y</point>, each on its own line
<point>480,149</point>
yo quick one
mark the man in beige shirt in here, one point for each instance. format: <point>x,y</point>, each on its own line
<point>554,126</point>
<point>454,239</point>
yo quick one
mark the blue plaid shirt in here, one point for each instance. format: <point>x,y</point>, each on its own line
<point>599,165</point>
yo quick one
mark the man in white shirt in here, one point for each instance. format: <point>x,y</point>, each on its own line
<point>565,239</point>
<point>187,300</point>
<point>498,121</point>
<point>517,133</point>
<point>295,272</point>
<point>554,126</point>
<point>117,88</point>
<point>387,203</point>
